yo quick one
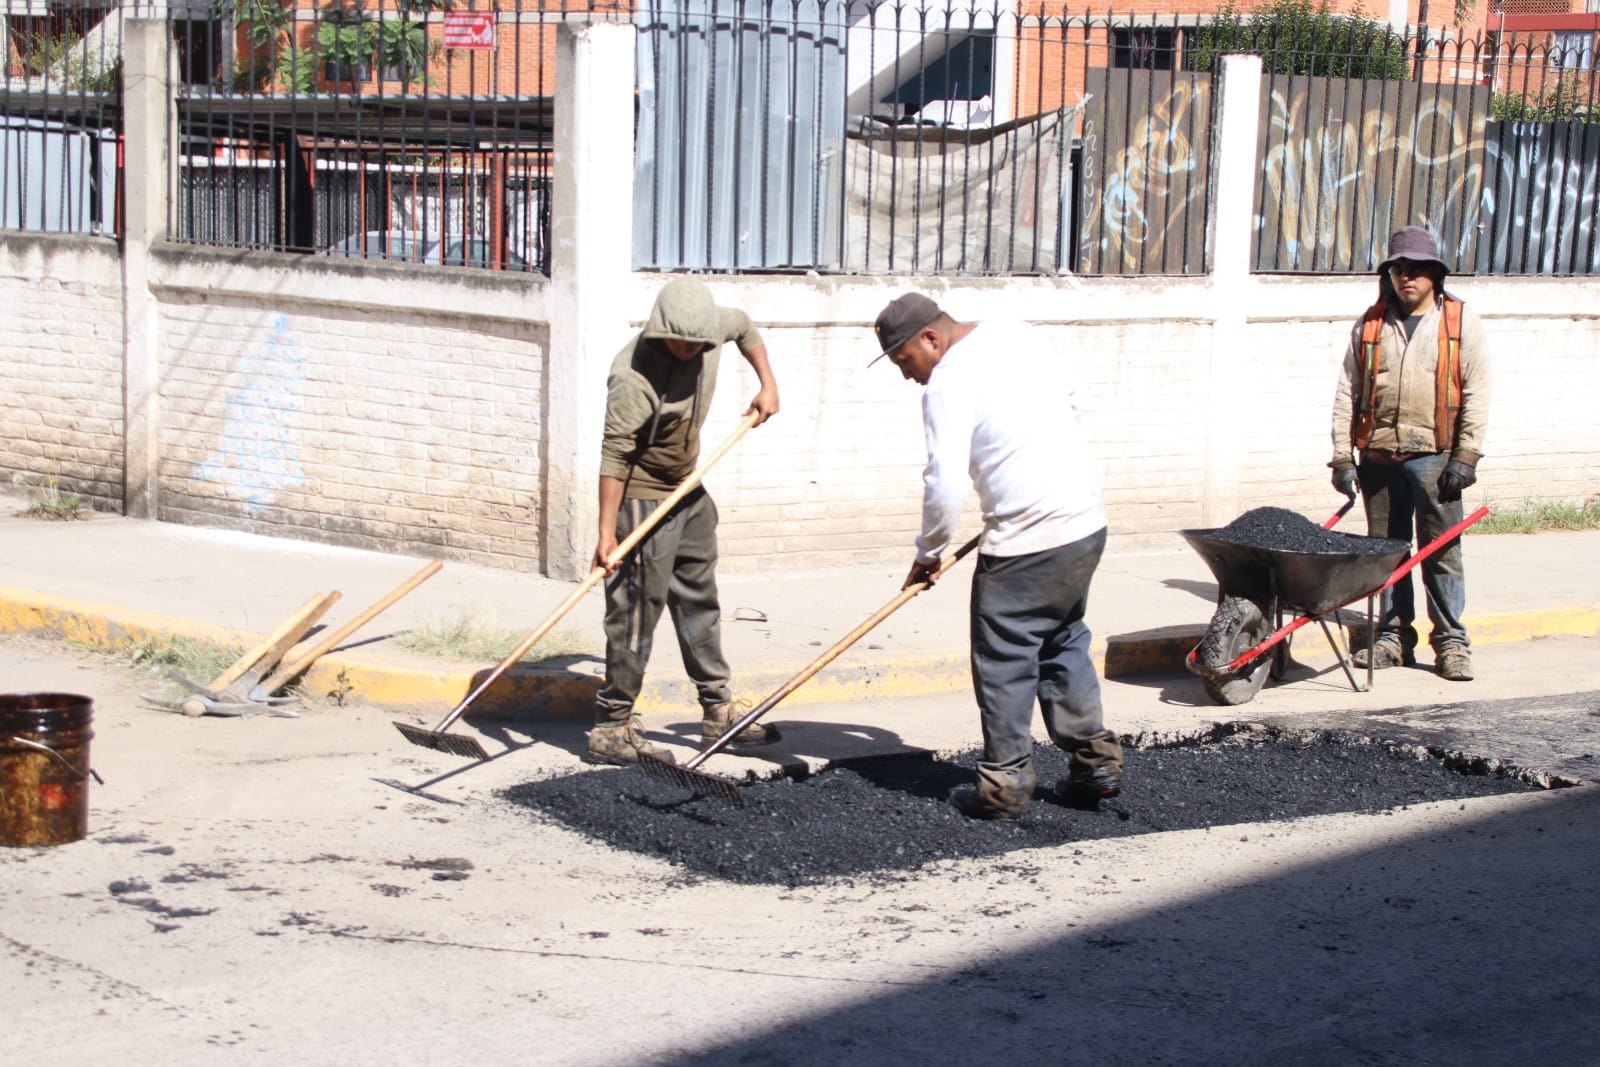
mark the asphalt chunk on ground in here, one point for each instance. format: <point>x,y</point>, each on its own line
<point>884,818</point>
<point>1282,530</point>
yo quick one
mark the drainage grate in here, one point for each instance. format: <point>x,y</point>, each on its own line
<point>888,815</point>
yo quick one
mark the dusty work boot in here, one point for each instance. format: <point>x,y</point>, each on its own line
<point>620,744</point>
<point>1454,662</point>
<point>716,721</point>
<point>1388,652</point>
<point>1002,791</point>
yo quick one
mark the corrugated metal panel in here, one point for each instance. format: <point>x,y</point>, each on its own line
<point>741,122</point>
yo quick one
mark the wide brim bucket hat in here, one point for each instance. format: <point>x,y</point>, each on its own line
<point>1415,244</point>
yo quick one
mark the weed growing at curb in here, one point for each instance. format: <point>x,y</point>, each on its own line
<point>1534,516</point>
<point>197,660</point>
<point>471,639</point>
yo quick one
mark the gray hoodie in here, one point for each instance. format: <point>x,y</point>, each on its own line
<point>655,402</point>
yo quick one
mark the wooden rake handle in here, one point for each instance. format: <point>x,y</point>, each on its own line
<point>295,634</point>
<point>617,556</point>
<point>811,669</point>
<point>305,659</point>
<point>248,660</point>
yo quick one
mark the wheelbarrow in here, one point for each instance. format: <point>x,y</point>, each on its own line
<point>1241,648</point>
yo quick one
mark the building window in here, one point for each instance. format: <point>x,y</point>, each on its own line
<point>964,73</point>
<point>199,45</point>
<point>1572,50</point>
<point>1151,47</point>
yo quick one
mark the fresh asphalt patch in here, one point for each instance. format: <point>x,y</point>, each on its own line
<point>884,818</point>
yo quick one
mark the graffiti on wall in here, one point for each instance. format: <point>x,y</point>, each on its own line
<point>1541,198</point>
<point>1142,190</point>
<point>1345,161</point>
<point>256,459</point>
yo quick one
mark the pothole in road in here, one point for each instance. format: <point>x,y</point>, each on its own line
<point>887,815</point>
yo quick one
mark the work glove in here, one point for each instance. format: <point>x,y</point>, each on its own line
<point>1456,477</point>
<point>1344,480</point>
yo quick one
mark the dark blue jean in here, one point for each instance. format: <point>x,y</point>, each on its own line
<point>1030,645</point>
<point>1402,501</point>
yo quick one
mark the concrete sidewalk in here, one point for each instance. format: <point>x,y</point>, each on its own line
<point>112,582</point>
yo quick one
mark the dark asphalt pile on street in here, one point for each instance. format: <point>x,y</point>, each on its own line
<point>882,818</point>
<point>1281,530</point>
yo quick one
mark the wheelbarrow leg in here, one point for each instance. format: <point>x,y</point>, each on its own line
<point>1344,659</point>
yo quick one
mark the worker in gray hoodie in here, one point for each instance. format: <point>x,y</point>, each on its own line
<point>658,393</point>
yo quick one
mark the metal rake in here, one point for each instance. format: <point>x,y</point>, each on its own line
<point>689,776</point>
<point>461,745</point>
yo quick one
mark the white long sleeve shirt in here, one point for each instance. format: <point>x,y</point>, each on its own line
<point>1000,412</point>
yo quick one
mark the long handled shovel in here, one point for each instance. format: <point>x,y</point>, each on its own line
<point>459,745</point>
<point>275,644</point>
<point>264,690</point>
<point>234,699</point>
<point>710,785</point>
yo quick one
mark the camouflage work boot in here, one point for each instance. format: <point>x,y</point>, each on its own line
<point>619,744</point>
<point>717,720</point>
<point>1094,773</point>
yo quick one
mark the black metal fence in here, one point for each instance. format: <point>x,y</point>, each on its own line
<point>829,135</point>
<point>1493,143</point>
<point>61,116</point>
<point>399,129</point>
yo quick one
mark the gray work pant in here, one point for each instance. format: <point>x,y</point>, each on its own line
<point>675,567</point>
<point>1030,645</point>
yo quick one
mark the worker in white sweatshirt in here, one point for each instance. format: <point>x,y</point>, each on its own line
<point>999,409</point>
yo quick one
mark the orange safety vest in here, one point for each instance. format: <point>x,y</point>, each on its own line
<point>1446,381</point>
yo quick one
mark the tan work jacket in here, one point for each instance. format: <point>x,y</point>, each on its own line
<point>1405,393</point>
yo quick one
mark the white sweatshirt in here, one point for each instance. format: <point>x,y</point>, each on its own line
<point>1000,411</point>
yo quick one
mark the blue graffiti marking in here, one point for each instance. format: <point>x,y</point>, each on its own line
<point>256,460</point>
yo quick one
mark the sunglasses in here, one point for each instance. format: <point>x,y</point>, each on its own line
<point>1408,267</point>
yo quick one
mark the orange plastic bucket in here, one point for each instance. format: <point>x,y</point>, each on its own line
<point>44,768</point>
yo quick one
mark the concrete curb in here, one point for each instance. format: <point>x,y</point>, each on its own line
<point>564,691</point>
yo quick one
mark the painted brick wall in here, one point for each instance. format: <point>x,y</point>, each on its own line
<point>379,426</point>
<point>61,374</point>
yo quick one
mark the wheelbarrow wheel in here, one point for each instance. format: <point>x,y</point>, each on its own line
<point>1236,628</point>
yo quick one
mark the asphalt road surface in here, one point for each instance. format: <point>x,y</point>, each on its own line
<point>261,890</point>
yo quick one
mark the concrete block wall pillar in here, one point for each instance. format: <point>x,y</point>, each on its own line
<point>591,234</point>
<point>1233,181</point>
<point>148,75</point>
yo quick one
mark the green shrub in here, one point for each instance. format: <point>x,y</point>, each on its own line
<point>1293,37</point>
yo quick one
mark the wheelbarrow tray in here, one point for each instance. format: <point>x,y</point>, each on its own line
<point>1308,582</point>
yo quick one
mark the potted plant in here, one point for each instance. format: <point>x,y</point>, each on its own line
<point>346,40</point>
<point>403,49</point>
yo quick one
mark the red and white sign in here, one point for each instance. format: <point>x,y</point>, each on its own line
<point>469,29</point>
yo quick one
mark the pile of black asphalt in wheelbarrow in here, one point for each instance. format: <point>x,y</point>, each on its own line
<point>880,819</point>
<point>1282,530</point>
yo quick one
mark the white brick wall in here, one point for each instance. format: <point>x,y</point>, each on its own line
<point>61,368</point>
<point>363,420</point>
<point>406,409</point>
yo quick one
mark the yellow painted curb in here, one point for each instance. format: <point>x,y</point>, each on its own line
<point>529,692</point>
<point>97,626</point>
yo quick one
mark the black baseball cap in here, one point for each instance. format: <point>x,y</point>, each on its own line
<point>901,319</point>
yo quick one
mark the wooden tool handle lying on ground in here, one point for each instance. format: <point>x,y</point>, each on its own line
<point>810,670</point>
<point>248,660</point>
<point>293,635</point>
<point>305,659</point>
<point>617,556</point>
